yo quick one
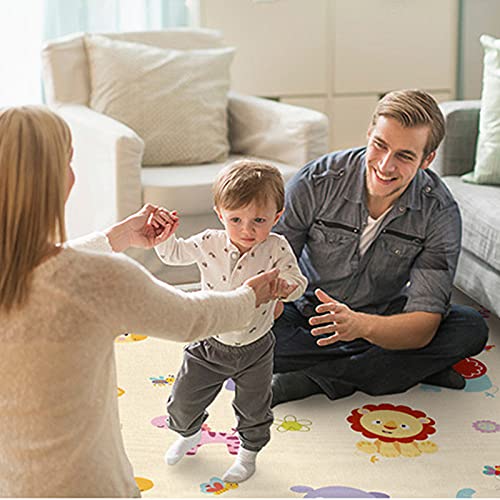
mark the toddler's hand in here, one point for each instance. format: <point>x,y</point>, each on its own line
<point>278,309</point>
<point>163,223</point>
<point>285,288</point>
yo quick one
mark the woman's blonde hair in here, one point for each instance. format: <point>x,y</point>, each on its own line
<point>35,151</point>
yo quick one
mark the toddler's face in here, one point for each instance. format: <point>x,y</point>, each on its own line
<point>250,225</point>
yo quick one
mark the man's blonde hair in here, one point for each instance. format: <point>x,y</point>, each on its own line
<point>35,149</point>
<point>413,108</point>
<point>246,181</point>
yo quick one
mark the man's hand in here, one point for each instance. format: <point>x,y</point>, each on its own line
<point>344,323</point>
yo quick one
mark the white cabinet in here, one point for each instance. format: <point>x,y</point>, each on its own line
<point>351,116</point>
<point>280,45</point>
<point>338,56</point>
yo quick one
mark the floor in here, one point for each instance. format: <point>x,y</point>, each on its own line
<point>321,448</point>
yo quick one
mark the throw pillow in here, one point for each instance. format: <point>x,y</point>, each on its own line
<point>487,165</point>
<point>176,101</point>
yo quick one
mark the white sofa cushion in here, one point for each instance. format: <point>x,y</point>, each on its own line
<point>176,101</point>
<point>189,189</point>
<point>487,165</point>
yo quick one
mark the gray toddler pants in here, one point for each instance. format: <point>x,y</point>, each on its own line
<point>206,366</point>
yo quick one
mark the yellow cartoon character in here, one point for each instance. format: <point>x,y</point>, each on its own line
<point>143,484</point>
<point>397,430</point>
<point>130,337</point>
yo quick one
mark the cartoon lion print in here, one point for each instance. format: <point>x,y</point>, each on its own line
<point>397,430</point>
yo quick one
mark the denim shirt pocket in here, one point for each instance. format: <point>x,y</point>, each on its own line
<point>332,246</point>
<point>396,253</point>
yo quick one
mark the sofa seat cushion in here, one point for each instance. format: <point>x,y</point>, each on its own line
<point>479,206</point>
<point>188,189</point>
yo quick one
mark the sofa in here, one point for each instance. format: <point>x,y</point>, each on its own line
<point>478,272</point>
<point>112,181</point>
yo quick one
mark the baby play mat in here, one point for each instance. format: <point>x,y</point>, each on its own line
<point>447,445</point>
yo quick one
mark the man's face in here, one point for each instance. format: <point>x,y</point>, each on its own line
<point>393,156</point>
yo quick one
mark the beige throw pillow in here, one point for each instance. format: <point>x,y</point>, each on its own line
<point>176,101</point>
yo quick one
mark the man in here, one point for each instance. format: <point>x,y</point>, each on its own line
<point>377,235</point>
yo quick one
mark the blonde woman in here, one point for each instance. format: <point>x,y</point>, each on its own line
<point>61,308</point>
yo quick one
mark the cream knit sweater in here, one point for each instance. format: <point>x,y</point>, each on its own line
<point>59,427</point>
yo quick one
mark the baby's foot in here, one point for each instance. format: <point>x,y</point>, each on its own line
<point>243,467</point>
<point>181,447</point>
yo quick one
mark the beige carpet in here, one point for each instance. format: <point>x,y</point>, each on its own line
<point>321,448</point>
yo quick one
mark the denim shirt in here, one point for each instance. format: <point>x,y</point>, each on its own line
<point>410,265</point>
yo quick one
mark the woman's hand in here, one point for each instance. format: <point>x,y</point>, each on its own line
<point>265,286</point>
<point>138,230</point>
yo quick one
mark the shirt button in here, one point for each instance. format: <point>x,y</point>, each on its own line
<point>428,189</point>
<point>234,255</point>
<point>397,251</point>
<point>401,209</point>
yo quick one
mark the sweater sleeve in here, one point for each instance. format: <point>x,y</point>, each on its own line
<point>96,242</point>
<point>140,303</point>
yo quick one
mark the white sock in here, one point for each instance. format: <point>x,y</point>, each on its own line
<point>181,447</point>
<point>243,467</point>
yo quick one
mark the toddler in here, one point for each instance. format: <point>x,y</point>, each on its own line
<point>249,200</point>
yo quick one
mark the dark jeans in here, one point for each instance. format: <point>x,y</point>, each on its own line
<point>342,368</point>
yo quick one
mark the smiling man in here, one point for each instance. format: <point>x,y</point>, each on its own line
<point>377,234</point>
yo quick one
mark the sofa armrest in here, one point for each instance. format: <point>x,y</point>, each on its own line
<point>276,131</point>
<point>107,164</point>
<point>457,152</point>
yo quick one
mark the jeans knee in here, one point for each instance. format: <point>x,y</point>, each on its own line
<point>478,330</point>
<point>382,386</point>
<point>468,329</point>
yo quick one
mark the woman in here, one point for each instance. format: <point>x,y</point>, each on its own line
<point>60,311</point>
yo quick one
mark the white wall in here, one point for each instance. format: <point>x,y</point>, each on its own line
<point>338,56</point>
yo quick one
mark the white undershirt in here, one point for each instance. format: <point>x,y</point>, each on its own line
<point>370,231</point>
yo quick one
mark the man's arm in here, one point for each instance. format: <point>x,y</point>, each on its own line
<point>300,207</point>
<point>411,330</point>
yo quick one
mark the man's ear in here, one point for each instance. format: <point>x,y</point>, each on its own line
<point>427,161</point>
<point>369,132</point>
<point>277,216</point>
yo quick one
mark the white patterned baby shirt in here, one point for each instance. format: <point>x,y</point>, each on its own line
<point>223,268</point>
